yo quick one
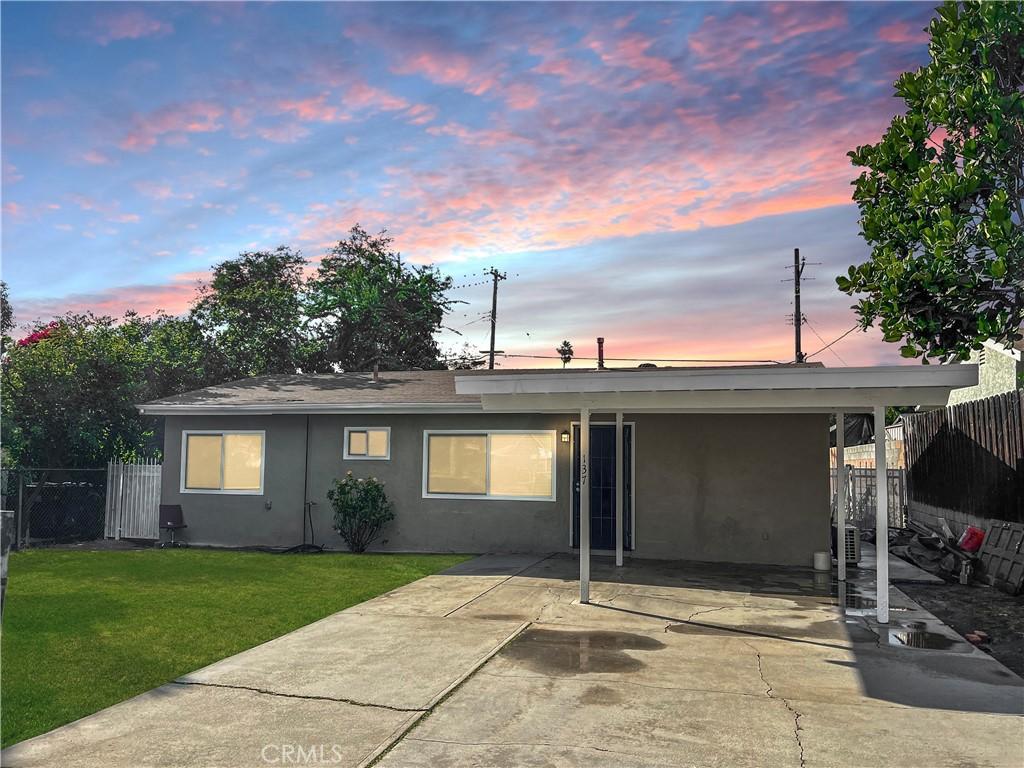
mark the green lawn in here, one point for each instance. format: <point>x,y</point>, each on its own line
<point>84,630</point>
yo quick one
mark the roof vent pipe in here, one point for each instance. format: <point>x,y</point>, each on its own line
<point>600,353</point>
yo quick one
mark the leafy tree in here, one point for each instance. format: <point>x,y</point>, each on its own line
<point>941,196</point>
<point>565,351</point>
<point>6,318</point>
<point>252,313</point>
<point>464,360</point>
<point>366,306</point>
<point>71,386</point>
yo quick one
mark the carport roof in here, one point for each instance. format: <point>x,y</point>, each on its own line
<point>785,388</point>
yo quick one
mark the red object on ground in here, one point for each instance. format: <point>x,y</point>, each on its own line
<point>971,539</point>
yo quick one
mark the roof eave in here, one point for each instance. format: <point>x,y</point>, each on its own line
<point>264,409</point>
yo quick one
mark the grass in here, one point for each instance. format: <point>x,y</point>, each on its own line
<point>86,629</point>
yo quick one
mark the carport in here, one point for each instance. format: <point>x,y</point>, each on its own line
<point>747,390</point>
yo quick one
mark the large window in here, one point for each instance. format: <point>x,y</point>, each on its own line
<point>222,462</point>
<point>367,443</point>
<point>508,464</point>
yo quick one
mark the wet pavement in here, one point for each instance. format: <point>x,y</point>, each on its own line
<point>496,663</point>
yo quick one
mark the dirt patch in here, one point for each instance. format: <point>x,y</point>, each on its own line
<point>978,607</point>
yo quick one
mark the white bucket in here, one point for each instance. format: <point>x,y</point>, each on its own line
<point>822,561</point>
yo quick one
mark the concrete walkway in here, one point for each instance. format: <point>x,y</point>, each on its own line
<point>495,663</point>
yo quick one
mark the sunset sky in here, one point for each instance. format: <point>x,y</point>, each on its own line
<point>642,171</point>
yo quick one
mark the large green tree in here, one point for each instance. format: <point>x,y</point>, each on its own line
<point>252,312</point>
<point>6,317</point>
<point>941,194</point>
<point>367,307</point>
<point>71,386</point>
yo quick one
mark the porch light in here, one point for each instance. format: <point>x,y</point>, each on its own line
<point>565,435</point>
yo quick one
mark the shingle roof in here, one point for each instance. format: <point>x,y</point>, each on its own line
<point>328,392</point>
<point>392,387</point>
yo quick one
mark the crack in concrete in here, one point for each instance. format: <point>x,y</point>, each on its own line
<point>770,693</point>
<point>709,610</point>
<point>267,692</point>
<point>503,581</point>
<point>425,713</point>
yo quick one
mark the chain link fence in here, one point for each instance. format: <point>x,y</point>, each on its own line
<point>53,506</point>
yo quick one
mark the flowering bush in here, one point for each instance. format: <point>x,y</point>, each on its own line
<point>42,333</point>
<point>361,510</point>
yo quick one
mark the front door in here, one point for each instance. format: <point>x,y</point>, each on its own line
<point>602,486</point>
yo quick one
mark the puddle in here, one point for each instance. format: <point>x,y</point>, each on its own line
<point>551,652</point>
<point>914,634</point>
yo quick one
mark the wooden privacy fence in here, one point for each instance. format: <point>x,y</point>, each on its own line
<point>969,457</point>
<point>861,495</point>
<point>133,500</point>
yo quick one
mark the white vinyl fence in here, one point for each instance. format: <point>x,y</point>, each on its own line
<point>133,500</point>
<point>860,496</point>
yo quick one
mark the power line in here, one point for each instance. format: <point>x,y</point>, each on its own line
<point>837,356</point>
<point>829,345</point>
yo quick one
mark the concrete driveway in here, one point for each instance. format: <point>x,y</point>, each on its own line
<point>495,663</point>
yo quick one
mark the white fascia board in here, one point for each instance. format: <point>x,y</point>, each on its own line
<point>745,401</point>
<point>228,409</point>
<point>706,380</point>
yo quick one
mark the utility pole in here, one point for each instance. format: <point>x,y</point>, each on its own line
<point>798,318</point>
<point>496,276</point>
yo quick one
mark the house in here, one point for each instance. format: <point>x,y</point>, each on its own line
<point>1000,369</point>
<point>481,461</point>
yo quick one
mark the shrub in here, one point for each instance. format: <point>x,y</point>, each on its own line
<point>361,510</point>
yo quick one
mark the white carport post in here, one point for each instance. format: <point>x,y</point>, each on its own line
<point>584,496</point>
<point>881,520</point>
<point>841,494</point>
<point>619,490</point>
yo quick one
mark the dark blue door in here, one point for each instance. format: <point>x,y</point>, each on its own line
<point>602,486</point>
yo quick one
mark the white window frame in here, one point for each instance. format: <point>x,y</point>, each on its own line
<point>351,457</point>
<point>223,432</point>
<point>487,433</point>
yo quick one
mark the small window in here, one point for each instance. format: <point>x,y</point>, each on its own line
<point>222,462</point>
<point>368,443</point>
<point>499,464</point>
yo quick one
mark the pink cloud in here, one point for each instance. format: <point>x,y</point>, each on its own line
<point>902,32</point>
<point>175,298</point>
<point>128,24</point>
<point>95,157</point>
<point>13,210</point>
<point>174,119</point>
<point>312,109</point>
<point>832,64</point>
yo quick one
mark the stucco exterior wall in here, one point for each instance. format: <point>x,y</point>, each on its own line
<point>704,489</point>
<point>998,372</point>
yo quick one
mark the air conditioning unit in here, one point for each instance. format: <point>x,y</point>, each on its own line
<point>852,544</point>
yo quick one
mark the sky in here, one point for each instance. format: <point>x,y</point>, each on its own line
<point>641,171</point>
